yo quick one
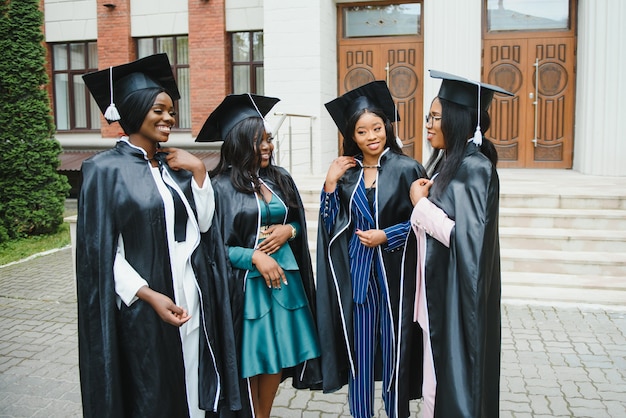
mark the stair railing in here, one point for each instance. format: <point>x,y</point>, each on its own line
<point>291,134</point>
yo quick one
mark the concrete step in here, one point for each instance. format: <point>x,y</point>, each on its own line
<point>603,219</point>
<point>557,201</point>
<point>566,288</point>
<point>562,236</point>
<point>563,239</point>
<point>587,263</point>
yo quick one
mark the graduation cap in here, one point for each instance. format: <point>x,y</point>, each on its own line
<point>115,83</point>
<point>375,94</point>
<point>233,109</point>
<point>464,91</point>
<point>467,93</point>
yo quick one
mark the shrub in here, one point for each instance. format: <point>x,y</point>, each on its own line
<point>33,192</point>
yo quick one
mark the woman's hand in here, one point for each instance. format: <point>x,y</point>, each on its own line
<point>178,159</point>
<point>337,169</point>
<point>278,236</point>
<point>419,189</point>
<point>372,237</point>
<point>167,310</point>
<point>269,269</point>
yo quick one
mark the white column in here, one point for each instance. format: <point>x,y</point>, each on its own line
<point>452,43</point>
<point>300,66</point>
<point>600,124</point>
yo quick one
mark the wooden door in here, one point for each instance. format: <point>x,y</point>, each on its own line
<point>535,128</point>
<point>400,64</point>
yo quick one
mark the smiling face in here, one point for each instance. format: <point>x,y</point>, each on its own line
<point>370,137</point>
<point>264,150</point>
<point>433,126</point>
<point>159,120</point>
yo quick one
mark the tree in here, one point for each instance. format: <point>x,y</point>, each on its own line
<point>32,192</point>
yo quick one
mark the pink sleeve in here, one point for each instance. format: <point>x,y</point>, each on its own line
<point>434,221</point>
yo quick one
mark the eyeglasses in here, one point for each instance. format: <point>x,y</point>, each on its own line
<point>432,118</point>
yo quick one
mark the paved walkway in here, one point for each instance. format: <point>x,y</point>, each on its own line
<point>557,361</point>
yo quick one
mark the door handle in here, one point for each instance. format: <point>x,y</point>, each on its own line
<point>536,95</point>
<point>387,73</point>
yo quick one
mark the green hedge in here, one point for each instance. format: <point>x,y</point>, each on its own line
<point>32,192</point>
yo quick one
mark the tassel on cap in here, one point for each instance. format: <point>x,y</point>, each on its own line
<point>268,128</point>
<point>234,109</point>
<point>398,140</point>
<point>111,113</point>
<point>478,136</point>
<point>266,125</point>
<point>462,91</point>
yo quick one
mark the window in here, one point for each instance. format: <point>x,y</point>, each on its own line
<point>514,15</point>
<point>248,76</point>
<point>387,20</point>
<point>74,108</point>
<point>177,50</point>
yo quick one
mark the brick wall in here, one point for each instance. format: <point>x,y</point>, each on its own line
<point>209,51</point>
<point>115,45</point>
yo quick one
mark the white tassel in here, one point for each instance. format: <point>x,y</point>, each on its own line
<point>266,125</point>
<point>395,114</point>
<point>111,113</point>
<point>478,137</point>
<point>268,128</point>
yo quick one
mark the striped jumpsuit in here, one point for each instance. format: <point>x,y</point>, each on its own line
<point>372,320</point>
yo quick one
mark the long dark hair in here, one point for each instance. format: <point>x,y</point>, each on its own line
<point>239,156</point>
<point>134,108</point>
<point>458,124</point>
<point>351,148</point>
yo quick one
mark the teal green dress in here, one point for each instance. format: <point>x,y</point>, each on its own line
<point>278,327</point>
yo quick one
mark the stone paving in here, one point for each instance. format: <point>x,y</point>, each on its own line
<point>557,361</point>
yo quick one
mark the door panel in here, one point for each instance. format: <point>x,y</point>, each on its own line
<point>535,128</point>
<point>405,63</point>
<point>360,65</point>
<point>555,103</point>
<point>398,63</point>
<point>503,66</point>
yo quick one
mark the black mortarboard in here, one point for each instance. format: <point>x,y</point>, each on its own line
<point>463,91</point>
<point>115,83</point>
<point>233,109</point>
<point>371,95</point>
<point>467,93</point>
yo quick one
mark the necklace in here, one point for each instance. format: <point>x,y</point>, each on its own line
<point>370,166</point>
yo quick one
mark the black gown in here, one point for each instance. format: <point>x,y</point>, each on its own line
<point>334,289</point>
<point>119,196</point>
<point>236,216</point>
<point>463,285</point>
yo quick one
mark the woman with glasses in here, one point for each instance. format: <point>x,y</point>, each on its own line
<point>455,221</point>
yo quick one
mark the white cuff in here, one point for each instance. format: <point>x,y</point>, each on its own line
<point>433,220</point>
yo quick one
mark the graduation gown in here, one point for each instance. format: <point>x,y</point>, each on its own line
<point>238,218</point>
<point>119,197</point>
<point>463,293</point>
<point>334,287</point>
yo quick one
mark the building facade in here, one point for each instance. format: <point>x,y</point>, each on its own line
<point>560,57</point>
